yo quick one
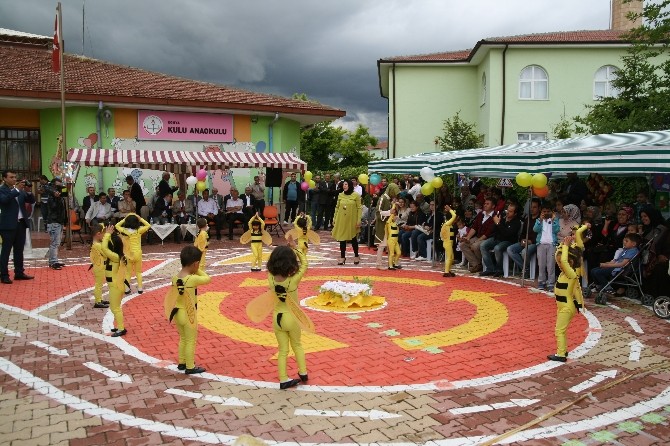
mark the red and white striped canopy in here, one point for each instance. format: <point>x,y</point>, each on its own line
<point>183,161</point>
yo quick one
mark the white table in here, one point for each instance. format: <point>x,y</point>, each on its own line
<point>163,231</point>
<point>192,228</point>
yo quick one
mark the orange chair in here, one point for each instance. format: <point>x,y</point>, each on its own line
<point>271,217</point>
<point>75,226</point>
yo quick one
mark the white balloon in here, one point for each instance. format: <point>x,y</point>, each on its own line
<point>191,180</point>
<point>427,173</point>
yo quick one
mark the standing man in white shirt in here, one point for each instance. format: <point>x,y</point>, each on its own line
<point>258,191</point>
<point>235,211</point>
<point>208,209</point>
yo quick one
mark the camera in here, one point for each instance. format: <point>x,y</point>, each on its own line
<point>27,183</point>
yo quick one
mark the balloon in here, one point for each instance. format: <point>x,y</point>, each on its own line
<point>541,191</point>
<point>427,173</point>
<point>191,180</point>
<point>427,189</point>
<point>201,175</point>
<point>524,179</point>
<point>312,184</point>
<point>304,185</point>
<point>437,182</point>
<point>260,147</point>
<point>308,175</point>
<point>363,178</point>
<point>539,180</point>
<point>201,185</point>
<point>375,179</point>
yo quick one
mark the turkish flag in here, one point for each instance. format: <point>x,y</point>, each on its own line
<point>55,54</point>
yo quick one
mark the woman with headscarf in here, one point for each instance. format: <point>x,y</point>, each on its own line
<point>384,211</point>
<point>347,219</point>
<point>614,231</point>
<point>570,217</point>
<point>652,229</point>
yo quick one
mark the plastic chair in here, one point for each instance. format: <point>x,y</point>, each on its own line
<point>75,226</point>
<point>271,217</point>
<point>30,208</point>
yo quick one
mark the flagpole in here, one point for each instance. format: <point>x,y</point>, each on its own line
<point>59,12</point>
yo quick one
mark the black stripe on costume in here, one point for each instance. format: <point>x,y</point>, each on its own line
<point>279,315</point>
<point>562,285</point>
<point>562,299</point>
<point>173,312</point>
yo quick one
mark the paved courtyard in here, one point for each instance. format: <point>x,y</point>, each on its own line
<point>446,361</point>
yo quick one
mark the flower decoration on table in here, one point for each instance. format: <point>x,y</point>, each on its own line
<point>346,290</point>
<point>347,296</point>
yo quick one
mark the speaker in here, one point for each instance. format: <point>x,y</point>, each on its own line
<point>273,177</point>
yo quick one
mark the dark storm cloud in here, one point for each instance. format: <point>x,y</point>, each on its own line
<point>326,49</point>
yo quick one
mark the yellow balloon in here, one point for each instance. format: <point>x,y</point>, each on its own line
<point>437,182</point>
<point>201,185</point>
<point>427,189</point>
<point>363,178</point>
<point>312,184</point>
<point>539,180</point>
<point>524,179</point>
<point>307,176</point>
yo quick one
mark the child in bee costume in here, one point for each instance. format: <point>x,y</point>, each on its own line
<point>391,236</point>
<point>181,305</point>
<point>256,236</point>
<point>98,266</point>
<point>568,291</point>
<point>286,267</point>
<point>115,273</point>
<point>202,239</point>
<point>302,232</point>
<point>447,234</point>
<point>133,226</point>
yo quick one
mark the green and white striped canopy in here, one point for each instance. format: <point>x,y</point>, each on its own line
<point>616,154</point>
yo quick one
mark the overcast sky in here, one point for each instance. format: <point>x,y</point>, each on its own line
<point>327,49</point>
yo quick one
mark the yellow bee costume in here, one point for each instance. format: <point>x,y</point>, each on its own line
<point>303,236</point>
<point>256,239</point>
<point>392,244</point>
<point>569,298</point>
<point>202,243</point>
<point>98,265</point>
<point>181,305</point>
<point>288,317</point>
<point>133,248</point>
<point>115,273</point>
<point>447,234</point>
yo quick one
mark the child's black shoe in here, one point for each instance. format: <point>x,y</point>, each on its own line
<point>303,378</point>
<point>181,366</point>
<point>100,305</point>
<point>557,358</point>
<point>290,383</point>
<point>194,370</point>
<point>118,333</point>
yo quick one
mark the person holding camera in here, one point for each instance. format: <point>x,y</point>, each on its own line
<point>546,227</point>
<point>13,223</point>
<point>55,219</point>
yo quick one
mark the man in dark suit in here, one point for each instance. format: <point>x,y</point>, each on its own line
<point>136,194</point>
<point>164,187</point>
<point>249,208</point>
<point>13,224</point>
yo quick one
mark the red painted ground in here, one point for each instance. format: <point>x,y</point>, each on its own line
<point>371,358</point>
<point>49,285</point>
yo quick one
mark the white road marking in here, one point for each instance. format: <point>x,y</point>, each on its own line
<point>613,306</point>
<point>600,377</point>
<point>70,312</point>
<point>51,349</point>
<point>634,325</point>
<point>635,350</point>
<point>487,407</point>
<point>8,332</point>
<point>161,265</point>
<point>63,299</point>
<point>111,374</point>
<point>371,414</point>
<point>212,398</point>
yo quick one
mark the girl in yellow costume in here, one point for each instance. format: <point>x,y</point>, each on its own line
<point>447,234</point>
<point>391,236</point>
<point>286,267</point>
<point>98,266</point>
<point>569,298</point>
<point>202,240</point>
<point>256,236</point>
<point>302,232</point>
<point>181,304</point>
<point>115,273</point>
<point>130,227</point>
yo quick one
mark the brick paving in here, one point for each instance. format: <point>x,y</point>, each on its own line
<point>465,388</point>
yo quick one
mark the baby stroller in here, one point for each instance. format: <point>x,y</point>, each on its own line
<point>630,278</point>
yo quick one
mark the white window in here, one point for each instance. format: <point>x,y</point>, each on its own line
<point>533,83</point>
<point>602,82</point>
<point>483,89</point>
<point>531,136</point>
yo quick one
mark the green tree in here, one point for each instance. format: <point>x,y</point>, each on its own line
<point>564,128</point>
<point>643,82</point>
<point>353,147</point>
<point>459,135</point>
<point>318,144</point>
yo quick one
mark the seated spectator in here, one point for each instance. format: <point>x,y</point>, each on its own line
<point>505,233</point>
<point>403,211</point>
<point>467,199</point>
<point>604,273</point>
<point>99,212</point>
<point>414,219</point>
<point>569,218</point>
<point>125,206</point>
<point>498,200</point>
<point>414,188</point>
<point>182,209</point>
<point>249,208</point>
<point>526,246</point>
<point>434,220</point>
<point>162,212</point>
<point>113,200</point>
<point>607,237</point>
<point>483,193</point>
<point>460,233</point>
<point>651,228</point>
<point>235,212</point>
<point>422,204</point>
<point>209,210</point>
<point>641,201</point>
<point>481,229</point>
<point>655,273</point>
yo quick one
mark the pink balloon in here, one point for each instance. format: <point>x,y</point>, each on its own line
<point>201,175</point>
<point>304,186</point>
